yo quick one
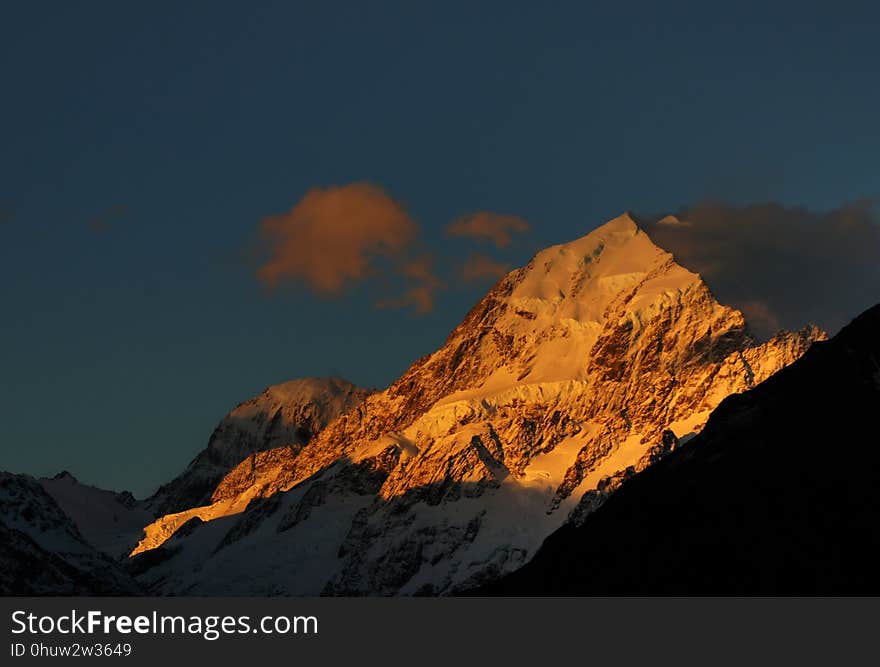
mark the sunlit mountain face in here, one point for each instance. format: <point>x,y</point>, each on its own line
<point>595,359</point>
<point>338,299</point>
<point>573,374</point>
<point>777,495</point>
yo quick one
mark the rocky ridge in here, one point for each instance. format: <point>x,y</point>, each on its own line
<point>776,496</point>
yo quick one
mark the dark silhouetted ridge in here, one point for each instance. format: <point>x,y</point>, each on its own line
<point>777,495</point>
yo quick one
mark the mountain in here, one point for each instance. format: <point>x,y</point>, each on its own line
<point>42,552</point>
<point>287,414</point>
<point>776,496</point>
<point>110,521</point>
<point>60,534</point>
<point>585,366</point>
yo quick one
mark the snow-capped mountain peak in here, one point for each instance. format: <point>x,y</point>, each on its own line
<point>557,306</point>
<point>578,369</point>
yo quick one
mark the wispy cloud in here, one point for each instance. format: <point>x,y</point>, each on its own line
<point>479,268</point>
<point>422,287</point>
<point>340,236</point>
<point>487,226</point>
<point>782,265</point>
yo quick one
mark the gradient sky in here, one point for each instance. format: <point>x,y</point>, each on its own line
<point>143,143</point>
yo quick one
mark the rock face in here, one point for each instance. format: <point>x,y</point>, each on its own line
<point>776,496</point>
<point>593,360</point>
<point>42,552</point>
<point>288,414</point>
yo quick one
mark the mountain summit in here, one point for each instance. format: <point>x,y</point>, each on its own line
<point>572,373</point>
<point>776,496</point>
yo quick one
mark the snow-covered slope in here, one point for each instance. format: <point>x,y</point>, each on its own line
<point>42,552</point>
<point>287,414</point>
<point>111,522</point>
<point>585,365</point>
<point>776,496</point>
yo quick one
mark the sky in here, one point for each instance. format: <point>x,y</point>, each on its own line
<point>198,200</point>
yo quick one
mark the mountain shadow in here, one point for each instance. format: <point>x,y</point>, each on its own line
<point>777,495</point>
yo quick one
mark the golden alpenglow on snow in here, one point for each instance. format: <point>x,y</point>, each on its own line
<point>573,373</point>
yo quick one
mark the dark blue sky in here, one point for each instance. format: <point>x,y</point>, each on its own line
<point>144,142</point>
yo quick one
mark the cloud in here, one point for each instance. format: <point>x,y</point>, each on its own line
<point>782,265</point>
<point>420,297</point>
<point>479,268</point>
<point>334,237</point>
<point>423,286</point>
<point>761,317</point>
<point>487,226</point>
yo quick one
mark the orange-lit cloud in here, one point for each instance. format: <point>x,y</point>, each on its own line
<point>338,236</point>
<point>421,298</point>
<point>423,285</point>
<point>781,265</point>
<point>334,237</point>
<point>487,226</point>
<point>482,268</point>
